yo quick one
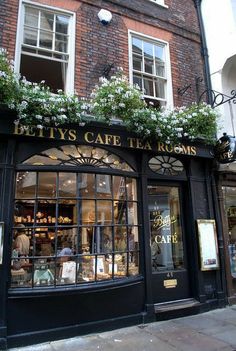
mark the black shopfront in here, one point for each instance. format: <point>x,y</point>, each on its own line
<point>124,213</point>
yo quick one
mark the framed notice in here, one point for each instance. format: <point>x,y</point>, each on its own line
<point>1,240</point>
<point>208,244</point>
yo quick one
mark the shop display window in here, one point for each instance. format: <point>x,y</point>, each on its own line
<point>230,208</point>
<point>74,227</point>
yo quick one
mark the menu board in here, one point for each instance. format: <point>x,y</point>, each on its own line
<point>208,244</point>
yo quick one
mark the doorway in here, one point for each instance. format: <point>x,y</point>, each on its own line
<point>170,279</point>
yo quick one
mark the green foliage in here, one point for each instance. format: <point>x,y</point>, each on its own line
<point>112,99</point>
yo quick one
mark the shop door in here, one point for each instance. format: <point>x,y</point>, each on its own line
<point>168,252</point>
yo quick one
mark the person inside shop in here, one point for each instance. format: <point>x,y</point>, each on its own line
<point>21,243</point>
<point>21,247</point>
<point>66,251</point>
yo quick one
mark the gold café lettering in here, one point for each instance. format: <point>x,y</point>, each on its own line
<point>100,138</point>
<point>163,221</point>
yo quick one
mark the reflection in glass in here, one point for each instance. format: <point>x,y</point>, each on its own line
<point>67,185</point>
<point>25,185</point>
<point>165,228</point>
<point>47,184</point>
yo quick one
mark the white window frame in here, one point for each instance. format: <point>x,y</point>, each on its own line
<point>159,2</point>
<point>69,85</point>
<point>168,86</point>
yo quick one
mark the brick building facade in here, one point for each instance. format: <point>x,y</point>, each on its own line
<point>129,214</point>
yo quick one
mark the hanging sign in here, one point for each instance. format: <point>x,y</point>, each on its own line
<point>226,149</point>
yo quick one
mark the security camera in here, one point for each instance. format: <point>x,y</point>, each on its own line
<point>104,16</point>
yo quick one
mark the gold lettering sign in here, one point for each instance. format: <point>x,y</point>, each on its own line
<point>166,239</point>
<point>163,221</point>
<point>92,137</point>
<point>170,283</point>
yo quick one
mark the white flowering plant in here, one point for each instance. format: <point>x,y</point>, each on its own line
<point>9,82</point>
<point>115,98</point>
<point>39,106</point>
<point>112,99</point>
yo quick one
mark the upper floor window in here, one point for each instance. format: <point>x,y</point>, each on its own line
<point>46,51</point>
<point>150,69</point>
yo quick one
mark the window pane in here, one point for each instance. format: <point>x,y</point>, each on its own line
<point>47,20</point>
<point>67,212</point>
<point>138,80</point>
<point>61,43</point>
<point>67,185</point>
<point>62,24</point>
<point>165,227</point>
<point>24,212</point>
<point>45,40</point>
<point>104,212</point>
<point>47,184</point>
<point>148,87</point>
<point>132,213</point>
<point>131,189</point>
<point>148,50</point>
<point>30,36</point>
<point>86,185</point>
<point>160,88</point>
<point>137,45</point>
<point>25,185</point>
<point>149,65</point>
<point>119,191</point>
<point>104,184</point>
<point>87,212</point>
<point>160,68</point>
<point>120,239</point>
<point>137,63</point>
<point>31,17</point>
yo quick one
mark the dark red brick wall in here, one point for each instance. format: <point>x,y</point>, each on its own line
<point>98,46</point>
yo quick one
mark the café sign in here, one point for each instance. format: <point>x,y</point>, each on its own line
<point>226,149</point>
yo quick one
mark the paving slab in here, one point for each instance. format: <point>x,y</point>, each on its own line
<point>211,331</point>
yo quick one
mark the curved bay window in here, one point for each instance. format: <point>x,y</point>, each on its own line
<point>74,227</point>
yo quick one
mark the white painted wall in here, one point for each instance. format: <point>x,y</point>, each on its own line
<point>219,18</point>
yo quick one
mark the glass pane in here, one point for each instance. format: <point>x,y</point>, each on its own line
<point>120,265</point>
<point>160,61</point>
<point>132,213</point>
<point>104,212</point>
<point>24,212</point>
<point>45,40</point>
<point>86,272</point>
<point>62,24</point>
<point>86,185</point>
<point>137,63</point>
<point>131,189</point>
<point>230,208</point>
<point>45,213</point>
<point>160,88</point>
<point>87,214</point>
<point>165,228</point>
<point>160,68</point>
<point>119,191</point>
<point>31,16</point>
<point>67,212</point>
<point>137,45</point>
<point>138,80</point>
<point>119,208</point>
<point>148,87</point>
<point>44,272</point>
<point>149,65</point>
<point>61,43</point>
<point>47,20</point>
<point>133,239</point>
<point>21,273</point>
<point>25,185</point>
<point>67,185</point>
<point>30,36</point>
<point>104,184</point>
<point>120,239</point>
<point>106,239</point>
<point>148,50</point>
<point>47,184</point>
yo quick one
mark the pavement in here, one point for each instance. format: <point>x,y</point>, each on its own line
<point>210,331</point>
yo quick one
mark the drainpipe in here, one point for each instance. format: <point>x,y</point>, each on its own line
<point>204,50</point>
